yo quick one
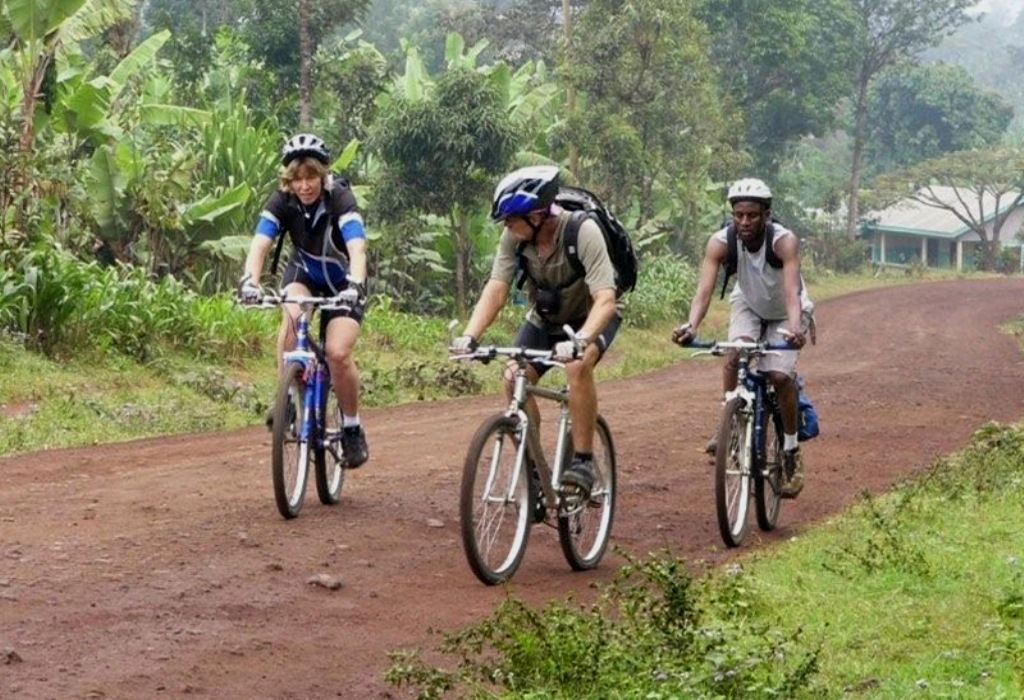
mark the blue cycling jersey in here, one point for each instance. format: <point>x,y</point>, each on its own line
<point>319,232</point>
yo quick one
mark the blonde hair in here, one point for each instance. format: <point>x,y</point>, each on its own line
<point>291,172</point>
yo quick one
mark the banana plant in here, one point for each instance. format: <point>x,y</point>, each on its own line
<point>44,28</point>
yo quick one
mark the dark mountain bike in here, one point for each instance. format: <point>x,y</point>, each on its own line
<point>749,456</point>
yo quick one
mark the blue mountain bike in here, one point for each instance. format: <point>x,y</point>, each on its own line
<point>306,415</point>
<point>749,456</point>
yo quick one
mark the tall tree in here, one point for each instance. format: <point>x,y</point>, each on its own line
<point>285,35</point>
<point>889,32</point>
<point>922,112</point>
<point>981,188</point>
<point>786,63</point>
<point>443,149</point>
<point>650,119</point>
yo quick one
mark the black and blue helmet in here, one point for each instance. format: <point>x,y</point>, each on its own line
<point>524,191</point>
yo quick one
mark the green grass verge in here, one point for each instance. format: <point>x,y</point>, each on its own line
<point>101,397</point>
<point>919,593</point>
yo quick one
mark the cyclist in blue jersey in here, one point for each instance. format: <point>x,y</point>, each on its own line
<point>318,212</point>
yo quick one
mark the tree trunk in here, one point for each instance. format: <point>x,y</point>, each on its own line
<point>570,93</point>
<point>460,229</point>
<point>30,97</point>
<point>305,66</point>
<point>857,166</point>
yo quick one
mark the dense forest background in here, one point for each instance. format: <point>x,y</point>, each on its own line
<point>140,139</point>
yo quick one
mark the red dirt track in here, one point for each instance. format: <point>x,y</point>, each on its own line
<point>160,567</point>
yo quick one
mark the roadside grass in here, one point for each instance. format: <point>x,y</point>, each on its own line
<point>97,395</point>
<point>917,593</point>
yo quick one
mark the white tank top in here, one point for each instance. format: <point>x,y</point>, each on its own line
<point>758,283</point>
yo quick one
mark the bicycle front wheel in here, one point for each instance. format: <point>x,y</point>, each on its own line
<point>584,532</point>
<point>330,476</point>
<point>732,472</point>
<point>290,453</point>
<point>495,503</point>
<point>768,477</point>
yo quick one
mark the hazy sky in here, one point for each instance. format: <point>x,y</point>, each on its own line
<point>1007,10</point>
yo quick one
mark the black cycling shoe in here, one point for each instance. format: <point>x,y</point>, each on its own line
<point>354,447</point>
<point>539,510</point>
<point>579,478</point>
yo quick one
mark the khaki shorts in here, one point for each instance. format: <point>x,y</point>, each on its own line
<point>745,324</point>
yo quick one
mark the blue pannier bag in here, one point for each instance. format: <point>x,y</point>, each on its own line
<point>807,414</point>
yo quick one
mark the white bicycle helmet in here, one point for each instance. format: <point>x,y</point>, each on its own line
<point>305,146</point>
<point>750,189</point>
<point>525,190</point>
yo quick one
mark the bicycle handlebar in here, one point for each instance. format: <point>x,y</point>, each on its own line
<point>274,299</point>
<point>486,353</point>
<point>719,347</point>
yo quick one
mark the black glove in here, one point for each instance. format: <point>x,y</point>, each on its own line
<point>684,335</point>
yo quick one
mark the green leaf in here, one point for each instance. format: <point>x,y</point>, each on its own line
<point>94,17</point>
<point>33,20</point>
<point>88,105</point>
<point>165,114</point>
<point>136,60</point>
<point>346,157</point>
<point>104,187</point>
<point>413,83</point>
<point>209,210</point>
<point>227,247</point>
<point>454,45</point>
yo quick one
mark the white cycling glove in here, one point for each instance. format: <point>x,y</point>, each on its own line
<point>464,344</point>
<point>248,291</point>
<point>349,296</point>
<point>571,349</point>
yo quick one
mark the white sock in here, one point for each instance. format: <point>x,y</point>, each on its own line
<point>349,421</point>
<point>789,442</point>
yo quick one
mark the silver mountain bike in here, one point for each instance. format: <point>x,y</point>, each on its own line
<point>508,485</point>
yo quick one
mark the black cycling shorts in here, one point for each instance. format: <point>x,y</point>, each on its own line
<point>294,273</point>
<point>530,336</point>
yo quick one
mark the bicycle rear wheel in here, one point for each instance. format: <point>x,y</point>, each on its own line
<point>290,453</point>
<point>768,478</point>
<point>495,504</point>
<point>732,471</point>
<point>330,476</point>
<point>584,533</point>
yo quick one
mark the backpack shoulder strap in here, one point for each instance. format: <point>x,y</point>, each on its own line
<point>731,254</point>
<point>277,251</point>
<point>570,241</point>
<point>769,252</point>
<point>521,273</point>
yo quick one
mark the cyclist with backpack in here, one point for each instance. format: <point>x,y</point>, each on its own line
<point>318,212</point>
<point>769,302</point>
<point>562,257</point>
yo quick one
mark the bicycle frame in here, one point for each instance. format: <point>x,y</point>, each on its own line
<point>316,373</point>
<point>753,389</point>
<point>522,390</point>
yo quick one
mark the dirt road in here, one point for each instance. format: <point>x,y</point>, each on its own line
<point>161,568</point>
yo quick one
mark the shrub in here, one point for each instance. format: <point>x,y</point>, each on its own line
<point>58,305</point>
<point>665,286</point>
<point>654,633</point>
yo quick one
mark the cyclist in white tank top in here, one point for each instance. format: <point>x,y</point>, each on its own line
<point>768,302</point>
